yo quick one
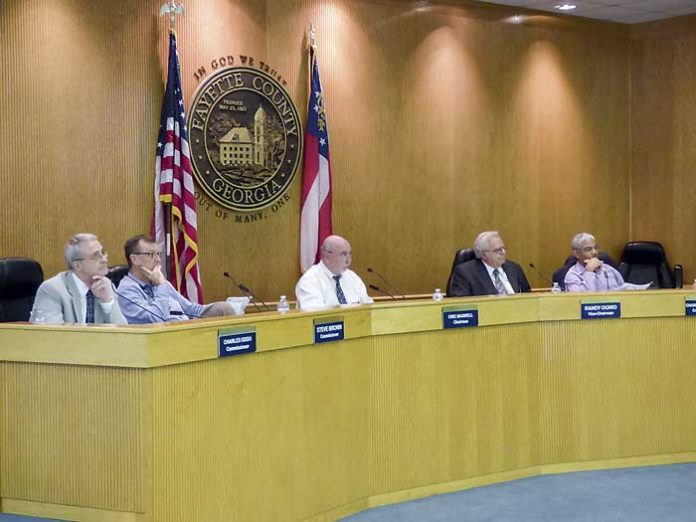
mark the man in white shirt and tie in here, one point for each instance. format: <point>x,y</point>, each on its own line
<point>330,282</point>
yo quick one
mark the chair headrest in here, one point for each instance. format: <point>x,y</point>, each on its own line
<point>643,253</point>
<point>19,277</point>
<point>116,273</point>
<point>464,255</point>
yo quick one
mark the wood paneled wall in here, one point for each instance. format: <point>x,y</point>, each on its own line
<point>663,127</point>
<point>445,119</point>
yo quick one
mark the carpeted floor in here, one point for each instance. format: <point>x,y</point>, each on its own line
<point>649,494</point>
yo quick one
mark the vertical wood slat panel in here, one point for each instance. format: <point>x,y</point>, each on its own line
<point>271,436</point>
<point>87,425</point>
<point>444,121</point>
<point>663,127</point>
<point>316,428</point>
<point>598,389</point>
<point>295,433</point>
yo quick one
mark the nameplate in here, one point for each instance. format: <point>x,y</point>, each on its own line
<point>328,330</point>
<point>606,310</point>
<point>689,306</point>
<point>236,341</point>
<point>455,317</point>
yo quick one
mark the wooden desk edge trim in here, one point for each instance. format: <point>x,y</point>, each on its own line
<point>670,304</point>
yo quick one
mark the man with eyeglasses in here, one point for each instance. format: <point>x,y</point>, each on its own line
<point>490,273</point>
<point>330,282</point>
<point>81,294</point>
<point>589,273</point>
<point>147,297</point>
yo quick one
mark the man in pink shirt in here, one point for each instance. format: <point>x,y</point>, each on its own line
<point>590,274</point>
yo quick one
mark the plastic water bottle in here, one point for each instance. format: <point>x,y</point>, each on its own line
<point>437,295</point>
<point>283,305</point>
<point>556,288</point>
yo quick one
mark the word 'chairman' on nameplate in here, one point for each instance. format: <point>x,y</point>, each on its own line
<point>326,331</point>
<point>607,310</point>
<point>233,341</point>
<point>459,317</point>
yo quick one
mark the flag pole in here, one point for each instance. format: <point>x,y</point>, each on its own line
<point>173,8</point>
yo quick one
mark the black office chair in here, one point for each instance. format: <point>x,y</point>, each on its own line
<point>559,275</point>
<point>20,278</point>
<point>116,273</point>
<point>645,261</point>
<point>462,256</point>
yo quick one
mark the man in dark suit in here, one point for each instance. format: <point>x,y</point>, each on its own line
<point>490,273</point>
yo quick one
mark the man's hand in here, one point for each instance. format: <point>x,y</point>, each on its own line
<point>217,309</point>
<point>593,264</point>
<point>155,275</point>
<point>101,288</point>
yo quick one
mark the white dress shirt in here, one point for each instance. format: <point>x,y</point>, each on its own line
<point>83,289</point>
<point>503,277</point>
<point>316,289</point>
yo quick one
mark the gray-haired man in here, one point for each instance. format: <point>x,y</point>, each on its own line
<point>491,272</point>
<point>589,273</point>
<point>83,293</point>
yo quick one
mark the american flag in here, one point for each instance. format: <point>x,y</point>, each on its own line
<point>174,220</point>
<point>315,220</point>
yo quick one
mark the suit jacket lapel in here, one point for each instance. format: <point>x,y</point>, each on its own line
<point>75,297</point>
<point>511,277</point>
<point>485,279</point>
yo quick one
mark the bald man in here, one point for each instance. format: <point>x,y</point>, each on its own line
<point>330,282</point>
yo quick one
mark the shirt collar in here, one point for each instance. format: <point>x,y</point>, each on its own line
<point>134,278</point>
<point>81,286</point>
<point>490,269</point>
<point>325,270</point>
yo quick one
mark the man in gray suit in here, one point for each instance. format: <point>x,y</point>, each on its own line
<point>81,294</point>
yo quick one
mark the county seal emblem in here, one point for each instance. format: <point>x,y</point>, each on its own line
<point>245,137</point>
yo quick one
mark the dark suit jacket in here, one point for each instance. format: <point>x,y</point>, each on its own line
<point>471,278</point>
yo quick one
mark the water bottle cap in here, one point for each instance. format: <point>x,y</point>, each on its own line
<point>437,289</point>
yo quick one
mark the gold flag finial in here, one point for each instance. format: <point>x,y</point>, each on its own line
<point>312,36</point>
<point>173,8</point>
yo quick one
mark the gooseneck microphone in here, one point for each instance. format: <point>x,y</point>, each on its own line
<point>243,290</point>
<point>373,271</point>
<point>533,267</point>
<point>383,292</point>
<point>248,290</point>
<point>248,293</point>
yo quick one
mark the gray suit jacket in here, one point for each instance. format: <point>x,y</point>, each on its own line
<point>61,302</point>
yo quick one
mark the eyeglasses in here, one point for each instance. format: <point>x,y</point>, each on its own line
<point>497,250</point>
<point>344,254</point>
<point>588,249</point>
<point>151,255</point>
<point>97,256</point>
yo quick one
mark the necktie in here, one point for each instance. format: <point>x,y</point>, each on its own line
<point>89,316</point>
<point>149,290</point>
<point>339,291</point>
<point>499,286</point>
